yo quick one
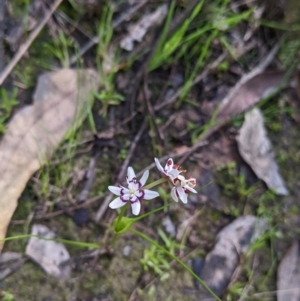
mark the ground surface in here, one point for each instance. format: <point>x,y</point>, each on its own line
<point>151,103</point>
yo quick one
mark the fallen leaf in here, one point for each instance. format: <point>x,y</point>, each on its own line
<point>9,263</point>
<point>288,275</point>
<point>61,101</point>
<point>256,149</point>
<point>139,29</point>
<point>52,256</point>
<point>249,93</point>
<point>232,241</point>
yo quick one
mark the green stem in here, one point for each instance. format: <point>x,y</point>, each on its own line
<point>153,242</point>
<point>70,242</point>
<point>151,212</point>
<point>122,213</point>
<point>155,183</point>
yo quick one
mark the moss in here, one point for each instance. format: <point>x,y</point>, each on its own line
<point>31,283</point>
<point>124,271</point>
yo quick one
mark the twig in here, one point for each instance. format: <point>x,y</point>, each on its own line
<point>116,23</point>
<point>265,62</point>
<point>2,20</point>
<point>24,47</point>
<point>151,112</point>
<point>59,212</point>
<point>122,172</point>
<point>90,178</point>
<point>72,23</point>
<point>12,268</point>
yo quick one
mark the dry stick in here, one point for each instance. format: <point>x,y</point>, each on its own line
<point>59,212</point>
<point>95,39</point>
<point>2,27</point>
<point>151,112</point>
<point>122,173</point>
<point>12,268</point>
<point>246,77</point>
<point>24,47</point>
<point>90,179</point>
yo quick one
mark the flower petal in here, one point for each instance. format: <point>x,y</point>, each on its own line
<point>182,195</point>
<point>174,173</point>
<point>116,203</point>
<point>144,178</point>
<point>115,190</point>
<point>135,207</point>
<point>125,197</point>
<point>174,195</point>
<point>169,165</point>
<point>190,188</point>
<point>158,165</point>
<point>130,174</point>
<point>149,194</point>
<point>134,185</point>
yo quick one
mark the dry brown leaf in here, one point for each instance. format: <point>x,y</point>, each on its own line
<point>256,149</point>
<point>61,101</point>
<point>138,30</point>
<point>288,275</point>
<point>250,93</point>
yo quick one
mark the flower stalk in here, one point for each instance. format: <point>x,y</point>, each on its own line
<point>156,183</point>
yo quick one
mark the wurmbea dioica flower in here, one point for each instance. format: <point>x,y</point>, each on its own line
<point>181,186</point>
<point>134,193</point>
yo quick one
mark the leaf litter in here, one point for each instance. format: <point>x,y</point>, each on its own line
<point>61,100</point>
<point>9,263</point>
<point>138,30</point>
<point>288,275</point>
<point>256,149</point>
<point>250,93</point>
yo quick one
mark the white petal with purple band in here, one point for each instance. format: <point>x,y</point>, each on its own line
<point>133,194</point>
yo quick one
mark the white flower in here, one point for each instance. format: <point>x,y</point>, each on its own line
<point>134,193</point>
<point>171,170</point>
<point>181,186</point>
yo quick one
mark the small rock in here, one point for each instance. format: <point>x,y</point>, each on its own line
<point>52,256</point>
<point>169,226</point>
<point>127,251</point>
